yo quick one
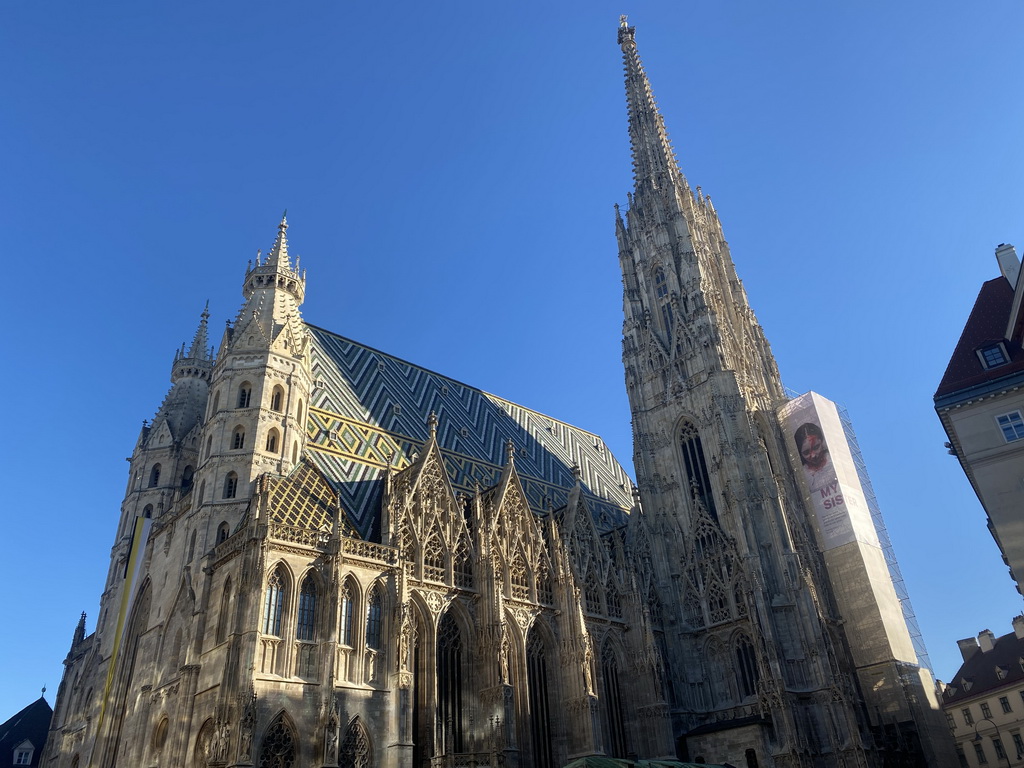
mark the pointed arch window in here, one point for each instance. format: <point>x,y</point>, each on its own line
<point>238,439</point>
<point>216,403</point>
<point>545,591</point>
<point>356,750</point>
<point>747,674</point>
<point>307,611</point>
<point>540,700</point>
<point>345,635</point>
<point>230,485</point>
<point>718,604</point>
<point>450,684</point>
<point>187,477</point>
<point>272,439</point>
<point>615,728</point>
<point>697,468</point>
<point>223,531</point>
<point>693,613</point>
<point>517,575</point>
<point>278,748</point>
<point>147,512</point>
<point>463,567</point>
<point>375,621</point>
<point>244,395</point>
<point>224,618</point>
<point>277,398</point>
<point>611,595</point>
<point>154,476</point>
<point>273,603</point>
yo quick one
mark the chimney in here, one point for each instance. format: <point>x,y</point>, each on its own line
<point>986,640</point>
<point>1018,626</point>
<point>968,647</point>
<point>1009,264</point>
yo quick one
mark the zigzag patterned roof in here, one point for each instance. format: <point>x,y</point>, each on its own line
<point>369,408</point>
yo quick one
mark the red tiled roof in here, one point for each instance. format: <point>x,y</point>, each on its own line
<point>986,325</point>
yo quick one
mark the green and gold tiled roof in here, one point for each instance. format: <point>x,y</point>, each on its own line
<point>369,408</point>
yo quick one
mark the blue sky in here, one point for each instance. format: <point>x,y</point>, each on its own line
<point>450,171</point>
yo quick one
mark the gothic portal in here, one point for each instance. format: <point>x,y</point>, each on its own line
<point>327,556</point>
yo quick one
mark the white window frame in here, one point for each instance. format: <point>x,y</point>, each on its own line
<point>1014,425</point>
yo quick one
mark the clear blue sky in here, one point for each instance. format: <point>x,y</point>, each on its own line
<point>449,171</point>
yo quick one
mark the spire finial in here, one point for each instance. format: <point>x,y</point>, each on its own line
<point>200,342</point>
<point>432,424</point>
<point>653,157</point>
<point>278,255</point>
<point>510,450</point>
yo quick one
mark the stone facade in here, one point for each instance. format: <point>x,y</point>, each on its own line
<point>330,557</point>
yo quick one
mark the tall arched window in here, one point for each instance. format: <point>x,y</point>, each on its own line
<point>375,621</point>
<point>697,468</point>
<point>209,446</point>
<point>592,591</point>
<point>517,576</point>
<point>277,398</point>
<point>450,684</point>
<point>356,751</point>
<point>187,476</point>
<point>433,559</point>
<point>192,546</point>
<point>223,531</point>
<point>230,485</point>
<point>273,604</point>
<point>238,438</point>
<point>272,438</point>
<point>224,619</point>
<point>278,747</point>
<point>147,512</point>
<point>661,292</point>
<point>154,476</point>
<point>216,403</point>
<point>244,395</point>
<point>307,610</point>
<point>747,674</point>
<point>615,730</point>
<point>539,697</point>
<point>345,635</point>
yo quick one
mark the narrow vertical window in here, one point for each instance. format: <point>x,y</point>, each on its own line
<point>374,621</point>
<point>697,468</point>
<point>746,668</point>
<point>272,441</point>
<point>154,476</point>
<point>223,531</point>
<point>450,683</point>
<point>244,395</point>
<point>307,610</point>
<point>346,616</point>
<point>273,604</point>
<point>615,736</point>
<point>230,485</point>
<point>225,612</point>
<point>238,438</point>
<point>277,398</point>
<point>540,701</point>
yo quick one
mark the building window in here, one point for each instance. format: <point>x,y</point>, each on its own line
<point>747,672</point>
<point>950,721</point>
<point>273,605</point>
<point>272,441</point>
<point>154,475</point>
<point>148,511</point>
<point>450,683</point>
<point>223,531</point>
<point>979,752</point>
<point>998,746</point>
<point>614,711</point>
<point>238,438</point>
<point>696,468</point>
<point>1018,744</point>
<point>230,485</point>
<point>23,757</point>
<point>1012,426</point>
<point>540,700</point>
<point>346,616</point>
<point>961,757</point>
<point>993,355</point>
<point>374,619</point>
<point>277,398</point>
<point>1005,704</point>
<point>244,395</point>
<point>986,710</point>
<point>968,717</point>
<point>307,610</point>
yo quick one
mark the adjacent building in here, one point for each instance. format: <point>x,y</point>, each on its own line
<point>981,403</point>
<point>984,701</point>
<point>327,556</point>
<point>23,736</point>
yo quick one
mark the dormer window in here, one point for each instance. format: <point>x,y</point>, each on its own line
<point>23,753</point>
<point>993,355</point>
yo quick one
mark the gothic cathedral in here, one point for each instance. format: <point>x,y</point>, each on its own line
<point>327,556</point>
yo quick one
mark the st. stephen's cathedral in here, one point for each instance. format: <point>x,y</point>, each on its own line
<point>327,556</point>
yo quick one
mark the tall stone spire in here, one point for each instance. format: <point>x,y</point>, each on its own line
<point>654,161</point>
<point>279,250</point>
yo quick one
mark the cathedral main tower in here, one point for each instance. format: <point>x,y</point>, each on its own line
<point>761,665</point>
